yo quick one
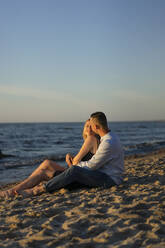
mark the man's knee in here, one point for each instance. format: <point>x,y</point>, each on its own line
<point>74,169</point>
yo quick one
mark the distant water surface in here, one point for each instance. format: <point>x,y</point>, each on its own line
<point>31,143</point>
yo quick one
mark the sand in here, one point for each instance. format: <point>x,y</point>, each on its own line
<point>130,215</point>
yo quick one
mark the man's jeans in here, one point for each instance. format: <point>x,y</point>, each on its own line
<point>82,176</point>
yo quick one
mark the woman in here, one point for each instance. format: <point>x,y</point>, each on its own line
<point>48,168</point>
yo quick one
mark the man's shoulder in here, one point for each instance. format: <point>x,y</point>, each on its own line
<point>110,136</point>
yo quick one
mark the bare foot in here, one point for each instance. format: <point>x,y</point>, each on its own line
<point>37,190</point>
<point>7,193</point>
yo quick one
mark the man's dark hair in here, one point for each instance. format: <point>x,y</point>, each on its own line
<point>100,119</point>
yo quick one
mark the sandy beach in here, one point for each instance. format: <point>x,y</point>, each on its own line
<point>130,215</point>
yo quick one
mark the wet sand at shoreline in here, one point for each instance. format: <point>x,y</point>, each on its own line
<point>130,215</point>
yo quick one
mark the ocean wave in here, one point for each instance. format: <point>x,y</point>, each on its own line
<point>147,144</point>
<point>144,147</point>
<point>35,142</point>
<point>26,162</point>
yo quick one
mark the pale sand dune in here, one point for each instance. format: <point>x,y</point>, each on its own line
<point>131,215</point>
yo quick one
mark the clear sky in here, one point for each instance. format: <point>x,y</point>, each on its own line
<point>61,60</point>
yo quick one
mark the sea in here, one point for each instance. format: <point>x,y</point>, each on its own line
<point>28,144</point>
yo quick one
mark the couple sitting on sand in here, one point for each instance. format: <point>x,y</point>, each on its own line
<point>99,163</point>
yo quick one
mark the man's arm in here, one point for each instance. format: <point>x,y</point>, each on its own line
<point>100,158</point>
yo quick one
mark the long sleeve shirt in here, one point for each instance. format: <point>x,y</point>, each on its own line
<point>109,158</point>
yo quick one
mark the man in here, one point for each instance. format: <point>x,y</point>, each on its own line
<point>104,169</point>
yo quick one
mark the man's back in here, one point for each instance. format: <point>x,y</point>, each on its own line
<point>109,158</point>
<point>113,156</point>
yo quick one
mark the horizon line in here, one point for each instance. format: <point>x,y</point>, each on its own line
<point>38,122</point>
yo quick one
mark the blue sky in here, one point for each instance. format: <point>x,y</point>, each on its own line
<point>61,60</point>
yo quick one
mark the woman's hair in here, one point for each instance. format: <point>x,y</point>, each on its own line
<point>100,119</point>
<point>85,136</point>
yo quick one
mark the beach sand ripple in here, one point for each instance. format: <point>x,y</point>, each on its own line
<point>131,215</point>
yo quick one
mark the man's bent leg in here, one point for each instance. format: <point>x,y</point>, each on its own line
<point>81,175</point>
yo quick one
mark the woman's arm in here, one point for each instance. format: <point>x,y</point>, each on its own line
<point>86,147</point>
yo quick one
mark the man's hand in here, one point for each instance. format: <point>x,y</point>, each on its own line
<point>69,159</point>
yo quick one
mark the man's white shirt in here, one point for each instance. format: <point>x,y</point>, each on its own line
<point>109,158</point>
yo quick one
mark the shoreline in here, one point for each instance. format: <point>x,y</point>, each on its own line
<point>128,215</point>
<point>151,153</point>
